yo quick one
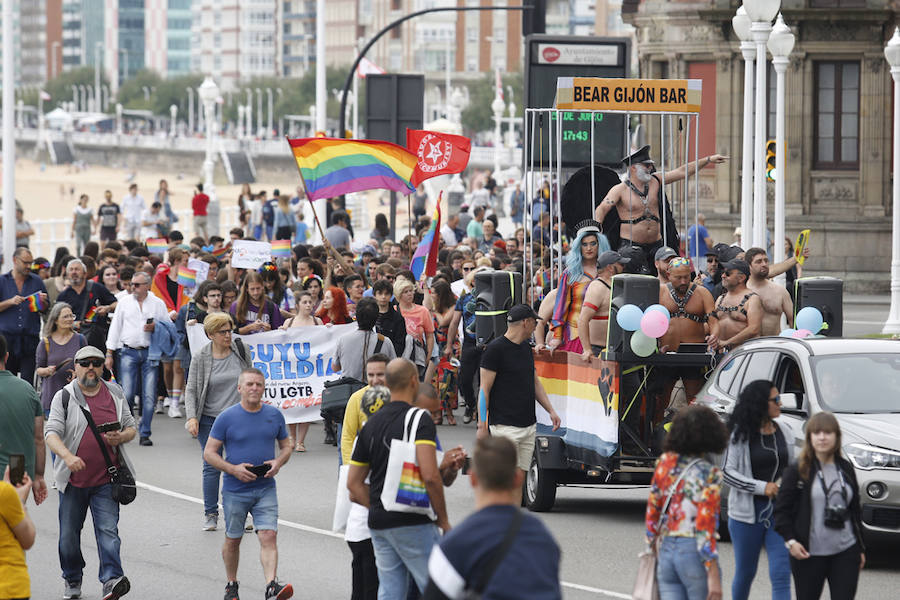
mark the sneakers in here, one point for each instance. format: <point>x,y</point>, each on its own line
<point>248,524</point>
<point>145,441</point>
<point>116,588</point>
<point>160,409</point>
<point>175,411</point>
<point>73,590</point>
<point>276,591</point>
<point>231,591</point>
<point>211,522</point>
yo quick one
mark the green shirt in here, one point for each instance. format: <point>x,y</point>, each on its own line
<point>474,230</point>
<point>19,406</point>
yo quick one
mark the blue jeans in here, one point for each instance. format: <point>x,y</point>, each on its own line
<point>399,553</point>
<point>680,571</point>
<point>73,506</point>
<point>748,541</point>
<point>211,475</point>
<point>139,372</point>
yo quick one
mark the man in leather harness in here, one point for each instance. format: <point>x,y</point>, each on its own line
<point>738,310</point>
<point>638,221</point>
<point>593,321</point>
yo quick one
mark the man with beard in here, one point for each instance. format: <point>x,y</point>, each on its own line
<point>90,302</point>
<point>593,322</point>
<point>661,260</point>
<point>775,298</point>
<point>738,310</point>
<point>80,470</point>
<point>641,210</point>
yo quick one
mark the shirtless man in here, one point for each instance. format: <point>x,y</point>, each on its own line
<point>775,298</point>
<point>637,200</point>
<point>593,322</point>
<point>738,310</point>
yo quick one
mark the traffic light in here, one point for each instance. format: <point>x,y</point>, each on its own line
<point>771,174</point>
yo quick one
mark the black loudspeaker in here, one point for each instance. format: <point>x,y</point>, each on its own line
<point>826,294</point>
<point>641,290</point>
<point>495,293</point>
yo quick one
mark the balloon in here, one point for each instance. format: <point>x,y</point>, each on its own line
<point>642,345</point>
<point>629,317</point>
<point>654,324</point>
<point>787,332</point>
<point>801,333</point>
<point>810,318</point>
<point>660,308</point>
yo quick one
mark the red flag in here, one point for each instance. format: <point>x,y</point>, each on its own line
<point>437,153</point>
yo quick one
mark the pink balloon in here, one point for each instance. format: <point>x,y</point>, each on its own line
<point>801,333</point>
<point>654,324</point>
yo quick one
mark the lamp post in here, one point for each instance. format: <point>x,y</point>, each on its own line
<point>269,108</point>
<point>118,119</point>
<point>498,107</point>
<point>259,112</point>
<point>240,122</point>
<point>892,54</point>
<point>761,13</point>
<point>781,42</point>
<point>173,127</point>
<point>9,137</point>
<point>82,97</point>
<point>98,106</point>
<point>75,97</point>
<point>190,129</point>
<point>741,24</point>
<point>208,93</point>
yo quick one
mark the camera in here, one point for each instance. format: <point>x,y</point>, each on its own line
<point>835,516</point>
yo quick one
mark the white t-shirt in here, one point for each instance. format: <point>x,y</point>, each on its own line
<point>150,231</point>
<point>255,208</point>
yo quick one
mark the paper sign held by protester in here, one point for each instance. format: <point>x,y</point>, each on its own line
<point>200,268</point>
<point>249,255</point>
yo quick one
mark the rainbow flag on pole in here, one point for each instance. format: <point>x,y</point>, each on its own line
<point>35,303</point>
<point>425,257</point>
<point>332,166</point>
<point>220,252</point>
<point>157,245</point>
<point>281,248</point>
<point>187,277</point>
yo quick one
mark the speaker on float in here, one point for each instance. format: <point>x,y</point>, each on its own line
<point>495,293</point>
<point>826,294</point>
<point>640,290</point>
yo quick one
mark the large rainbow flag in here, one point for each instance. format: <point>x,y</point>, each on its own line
<point>425,257</point>
<point>333,166</point>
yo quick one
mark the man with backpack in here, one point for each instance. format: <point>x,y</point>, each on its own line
<point>90,302</point>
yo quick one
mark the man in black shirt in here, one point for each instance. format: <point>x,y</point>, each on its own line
<point>402,541</point>
<point>390,323</point>
<point>91,302</point>
<point>511,386</point>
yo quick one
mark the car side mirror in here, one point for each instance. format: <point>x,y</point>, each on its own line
<point>791,401</point>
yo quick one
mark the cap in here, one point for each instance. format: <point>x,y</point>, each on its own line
<point>665,253</point>
<point>367,249</point>
<point>640,156</point>
<point>88,352</point>
<point>611,257</point>
<point>736,264</point>
<point>638,263</point>
<point>729,253</point>
<point>520,312</point>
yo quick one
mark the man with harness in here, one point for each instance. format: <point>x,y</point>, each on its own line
<point>593,321</point>
<point>738,310</point>
<point>690,305</point>
<point>641,208</point>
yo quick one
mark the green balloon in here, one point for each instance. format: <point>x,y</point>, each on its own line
<point>642,344</point>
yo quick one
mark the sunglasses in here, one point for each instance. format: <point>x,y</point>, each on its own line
<point>91,362</point>
<point>776,399</point>
<point>467,269</point>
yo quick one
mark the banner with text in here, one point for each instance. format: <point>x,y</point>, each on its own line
<point>629,95</point>
<point>296,362</point>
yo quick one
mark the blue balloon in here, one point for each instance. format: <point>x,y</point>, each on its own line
<point>660,308</point>
<point>629,317</point>
<point>809,318</point>
<point>787,332</point>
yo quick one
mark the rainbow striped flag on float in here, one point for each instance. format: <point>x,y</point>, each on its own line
<point>35,303</point>
<point>157,245</point>
<point>332,166</point>
<point>187,277</point>
<point>281,248</point>
<point>425,256</point>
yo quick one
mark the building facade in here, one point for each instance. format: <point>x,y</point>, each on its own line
<point>299,37</point>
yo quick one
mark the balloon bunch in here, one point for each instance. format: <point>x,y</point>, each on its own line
<point>809,322</point>
<point>647,325</point>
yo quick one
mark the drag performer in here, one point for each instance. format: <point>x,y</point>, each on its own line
<point>641,206</point>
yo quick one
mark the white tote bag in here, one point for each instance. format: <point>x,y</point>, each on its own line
<point>404,490</point>
<point>341,502</point>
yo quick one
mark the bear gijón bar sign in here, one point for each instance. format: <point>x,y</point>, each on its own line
<point>629,95</point>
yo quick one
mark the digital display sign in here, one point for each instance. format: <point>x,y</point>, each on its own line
<point>548,57</point>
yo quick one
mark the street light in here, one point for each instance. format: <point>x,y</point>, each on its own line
<point>173,113</point>
<point>190,130</point>
<point>208,92</point>
<point>892,54</point>
<point>761,13</point>
<point>781,42</point>
<point>269,98</point>
<point>741,24</point>
<point>259,112</point>
<point>97,93</point>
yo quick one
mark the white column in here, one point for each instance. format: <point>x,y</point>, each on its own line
<point>173,114</point>
<point>321,89</point>
<point>760,31</point>
<point>9,138</point>
<point>780,63</point>
<point>893,322</point>
<point>748,50</point>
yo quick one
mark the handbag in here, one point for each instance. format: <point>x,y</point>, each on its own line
<point>124,488</point>
<point>404,490</point>
<point>645,585</point>
<point>337,393</point>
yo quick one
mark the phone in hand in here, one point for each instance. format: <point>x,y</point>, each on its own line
<point>260,470</point>
<point>467,465</point>
<point>107,427</point>
<point>16,468</point>
<point>150,321</point>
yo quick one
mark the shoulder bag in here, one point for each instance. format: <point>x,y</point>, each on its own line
<point>404,490</point>
<point>336,393</point>
<point>645,586</point>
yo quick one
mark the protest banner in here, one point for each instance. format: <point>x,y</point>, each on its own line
<point>249,255</point>
<point>296,363</point>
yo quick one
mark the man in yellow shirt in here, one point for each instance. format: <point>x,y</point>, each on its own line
<point>353,416</point>
<point>16,536</point>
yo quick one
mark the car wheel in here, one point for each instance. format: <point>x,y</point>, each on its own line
<point>539,491</point>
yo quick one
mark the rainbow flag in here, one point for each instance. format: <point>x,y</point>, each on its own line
<point>332,166</point>
<point>35,303</point>
<point>425,256</point>
<point>187,277</point>
<point>157,245</point>
<point>281,248</point>
<point>220,252</point>
<point>90,314</point>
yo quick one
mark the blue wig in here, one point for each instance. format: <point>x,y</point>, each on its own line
<point>573,258</point>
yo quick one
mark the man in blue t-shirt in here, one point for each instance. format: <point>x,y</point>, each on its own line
<point>699,242</point>
<point>248,432</point>
<point>529,565</point>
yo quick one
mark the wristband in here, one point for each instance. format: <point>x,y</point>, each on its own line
<point>789,543</point>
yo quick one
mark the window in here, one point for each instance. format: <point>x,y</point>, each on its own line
<point>728,373</point>
<point>837,115</point>
<point>761,365</point>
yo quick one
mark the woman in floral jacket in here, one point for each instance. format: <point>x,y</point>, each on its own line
<point>683,528</point>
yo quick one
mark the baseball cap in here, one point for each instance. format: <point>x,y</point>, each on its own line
<point>520,312</point>
<point>729,253</point>
<point>611,257</point>
<point>736,264</point>
<point>665,253</point>
<point>88,352</point>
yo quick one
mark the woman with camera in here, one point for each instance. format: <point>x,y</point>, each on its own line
<point>756,457</point>
<point>817,511</point>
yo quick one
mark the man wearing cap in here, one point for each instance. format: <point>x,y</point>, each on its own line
<point>774,298</point>
<point>593,321</point>
<point>641,206</point>
<point>80,470</point>
<point>661,261</point>
<point>511,386</point>
<point>738,310</point>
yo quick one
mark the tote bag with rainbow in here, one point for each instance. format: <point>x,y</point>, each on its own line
<point>404,490</point>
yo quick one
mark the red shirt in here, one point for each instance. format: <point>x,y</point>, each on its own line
<point>199,203</point>
<point>103,410</point>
